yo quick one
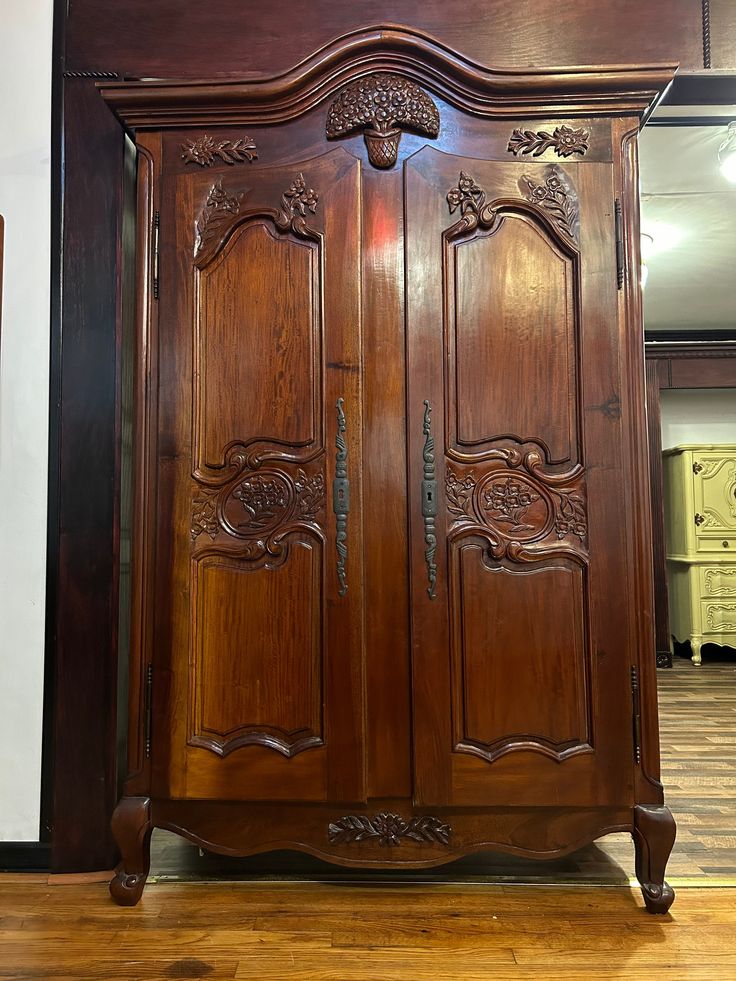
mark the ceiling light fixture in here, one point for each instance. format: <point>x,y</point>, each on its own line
<point>727,154</point>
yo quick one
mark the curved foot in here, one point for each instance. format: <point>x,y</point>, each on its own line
<point>696,644</point>
<point>131,826</point>
<point>654,835</point>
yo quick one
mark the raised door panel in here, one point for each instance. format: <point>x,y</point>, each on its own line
<point>714,487</point>
<point>260,613</point>
<point>517,469</point>
<point>547,658</point>
<point>498,352</point>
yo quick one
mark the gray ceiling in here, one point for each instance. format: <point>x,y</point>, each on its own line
<point>689,209</point>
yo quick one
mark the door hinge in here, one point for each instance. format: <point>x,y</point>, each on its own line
<point>148,709</point>
<point>154,247</point>
<point>618,214</point>
<point>636,709</point>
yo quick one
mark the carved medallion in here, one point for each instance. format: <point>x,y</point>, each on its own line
<point>206,149</point>
<point>264,499</point>
<point>388,830</point>
<point>564,141</point>
<point>381,105</point>
<point>258,505</point>
<point>556,195</point>
<point>519,508</point>
<point>514,506</point>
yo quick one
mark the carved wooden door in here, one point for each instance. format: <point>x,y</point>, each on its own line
<point>522,689</point>
<point>258,624</point>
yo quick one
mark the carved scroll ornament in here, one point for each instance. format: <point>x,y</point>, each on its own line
<point>555,195</point>
<point>222,206</point>
<point>381,105</point>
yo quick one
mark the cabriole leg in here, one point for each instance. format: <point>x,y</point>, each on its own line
<point>696,643</point>
<point>131,826</point>
<point>654,836</point>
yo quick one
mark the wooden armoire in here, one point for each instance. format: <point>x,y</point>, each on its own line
<point>392,595</point>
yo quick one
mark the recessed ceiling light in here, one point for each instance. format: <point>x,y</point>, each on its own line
<point>727,154</point>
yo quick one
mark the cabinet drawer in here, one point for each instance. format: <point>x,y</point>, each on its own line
<point>717,580</point>
<point>724,544</point>
<point>718,616</point>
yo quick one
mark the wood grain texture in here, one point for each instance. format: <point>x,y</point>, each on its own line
<point>165,40</point>
<point>343,780</point>
<point>453,931</point>
<point>84,606</point>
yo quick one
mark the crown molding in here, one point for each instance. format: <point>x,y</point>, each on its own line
<point>473,88</point>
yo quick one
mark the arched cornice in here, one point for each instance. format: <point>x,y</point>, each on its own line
<point>463,83</point>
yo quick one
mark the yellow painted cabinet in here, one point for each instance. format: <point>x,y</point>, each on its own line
<point>700,518</point>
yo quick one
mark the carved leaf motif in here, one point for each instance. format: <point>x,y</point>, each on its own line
<point>459,492</point>
<point>205,149</point>
<point>219,208</point>
<point>295,203</point>
<point>564,141</point>
<point>556,196</point>
<point>466,195</point>
<point>388,829</point>
<point>204,516</point>
<point>571,517</point>
<point>311,491</point>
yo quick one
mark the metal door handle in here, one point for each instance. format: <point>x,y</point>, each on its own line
<point>341,498</point>
<point>429,502</point>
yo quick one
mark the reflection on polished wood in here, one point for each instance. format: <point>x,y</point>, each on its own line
<point>318,932</point>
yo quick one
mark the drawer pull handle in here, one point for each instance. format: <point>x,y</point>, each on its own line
<point>699,519</point>
<point>726,544</point>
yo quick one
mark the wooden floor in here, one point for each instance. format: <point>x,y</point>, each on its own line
<point>331,932</point>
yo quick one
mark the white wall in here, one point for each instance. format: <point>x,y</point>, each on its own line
<point>698,416</point>
<point>25,135</point>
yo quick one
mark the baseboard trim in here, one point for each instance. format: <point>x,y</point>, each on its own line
<point>25,856</point>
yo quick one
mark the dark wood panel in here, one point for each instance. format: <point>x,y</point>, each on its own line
<point>257,676</point>
<point>258,648</point>
<point>526,623</point>
<point>722,34</point>
<point>167,38</point>
<point>86,601</point>
<point>654,434</point>
<point>257,349</point>
<point>498,352</point>
<point>703,373</point>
